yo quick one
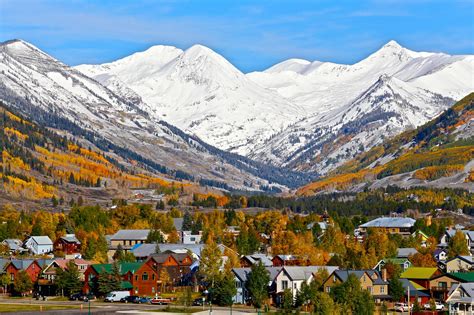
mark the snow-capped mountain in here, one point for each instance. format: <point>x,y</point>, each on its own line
<point>115,118</point>
<point>202,93</point>
<point>281,115</point>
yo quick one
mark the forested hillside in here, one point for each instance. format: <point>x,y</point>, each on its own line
<point>437,154</point>
<point>38,164</point>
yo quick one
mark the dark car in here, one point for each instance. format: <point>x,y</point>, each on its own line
<point>82,297</point>
<point>130,299</point>
<point>143,300</point>
<point>198,302</point>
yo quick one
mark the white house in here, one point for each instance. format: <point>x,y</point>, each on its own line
<point>461,299</point>
<point>241,275</point>
<point>188,238</point>
<point>292,277</point>
<point>39,245</point>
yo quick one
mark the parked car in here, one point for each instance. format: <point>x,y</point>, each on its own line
<point>439,306</point>
<point>160,301</point>
<point>198,302</point>
<point>143,300</point>
<point>82,297</point>
<point>116,296</point>
<point>130,299</point>
<point>402,307</point>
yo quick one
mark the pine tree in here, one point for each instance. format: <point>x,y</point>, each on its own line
<point>224,290</point>
<point>69,280</point>
<point>257,284</point>
<point>187,221</point>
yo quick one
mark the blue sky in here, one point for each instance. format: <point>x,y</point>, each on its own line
<point>251,34</point>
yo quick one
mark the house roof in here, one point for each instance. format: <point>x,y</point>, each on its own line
<point>467,288</point>
<point>468,259</point>
<point>242,273</point>
<point>255,258</point>
<point>415,288</point>
<point>305,272</point>
<point>286,257</point>
<point>3,263</point>
<point>140,235</point>
<point>404,252</point>
<point>463,276</point>
<point>390,222</point>
<point>178,223</point>
<point>21,264</point>
<point>70,238</point>
<point>145,250</point>
<point>42,240</point>
<point>44,261</point>
<point>419,273</point>
<point>13,244</point>
<point>470,234</point>
<point>344,274</point>
<point>123,267</point>
<point>395,261</point>
<point>162,257</point>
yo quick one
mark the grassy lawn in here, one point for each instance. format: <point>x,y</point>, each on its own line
<point>30,307</point>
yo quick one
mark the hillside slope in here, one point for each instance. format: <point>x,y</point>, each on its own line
<point>440,153</point>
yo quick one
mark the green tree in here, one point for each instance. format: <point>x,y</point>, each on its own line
<point>187,221</point>
<point>351,295</point>
<point>160,205</point>
<point>396,289</point>
<point>68,280</point>
<point>5,282</point>
<point>416,305</point>
<point>257,284</point>
<point>155,236</point>
<point>22,283</point>
<point>287,301</point>
<point>224,290</point>
<point>457,245</point>
<point>323,304</point>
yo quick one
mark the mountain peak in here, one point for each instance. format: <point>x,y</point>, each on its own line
<point>200,50</point>
<point>392,44</point>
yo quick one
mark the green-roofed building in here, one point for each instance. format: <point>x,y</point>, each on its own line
<point>403,263</point>
<point>463,276</point>
<point>126,269</point>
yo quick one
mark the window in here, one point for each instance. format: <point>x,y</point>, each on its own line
<point>328,289</point>
<point>145,276</point>
<point>12,276</point>
<point>152,289</point>
<point>193,239</point>
<point>369,289</point>
<point>237,284</point>
<point>334,278</point>
<point>284,284</point>
<point>153,277</point>
<point>136,277</point>
<point>382,289</point>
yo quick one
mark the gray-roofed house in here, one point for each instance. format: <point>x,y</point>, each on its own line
<point>142,251</point>
<point>392,225</point>
<point>292,277</point>
<point>461,298</point>
<point>39,245</point>
<point>373,281</point>
<point>405,252</point>
<point>127,239</point>
<point>241,275</point>
<point>14,245</point>
<point>69,245</point>
<point>250,260</point>
<point>458,264</point>
<point>448,235</point>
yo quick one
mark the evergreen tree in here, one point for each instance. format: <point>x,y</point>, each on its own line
<point>396,288</point>
<point>224,290</point>
<point>69,280</point>
<point>160,205</point>
<point>257,284</point>
<point>187,221</point>
<point>115,279</point>
<point>287,301</point>
<point>155,236</point>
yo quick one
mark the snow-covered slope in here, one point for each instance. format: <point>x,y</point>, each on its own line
<point>393,89</point>
<point>202,93</point>
<point>54,94</point>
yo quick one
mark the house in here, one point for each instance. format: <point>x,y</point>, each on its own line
<point>48,276</point>
<point>94,272</point>
<point>372,280</point>
<point>69,245</point>
<point>416,292</point>
<point>461,299</point>
<point>14,245</point>
<point>448,235</point>
<point>292,277</point>
<point>437,283</point>
<point>463,276</point>
<point>142,251</point>
<point>187,237</point>
<point>458,264</point>
<point>403,263</point>
<point>440,254</point>
<point>30,266</point>
<point>241,274</point>
<point>250,260</point>
<point>392,225</point>
<point>147,279</point>
<point>421,236</point>
<point>286,260</point>
<point>39,245</point>
<point>406,252</point>
<point>126,239</point>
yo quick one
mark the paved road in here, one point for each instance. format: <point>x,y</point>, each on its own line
<point>100,308</point>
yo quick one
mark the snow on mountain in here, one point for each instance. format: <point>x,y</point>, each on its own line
<point>51,92</point>
<point>202,93</point>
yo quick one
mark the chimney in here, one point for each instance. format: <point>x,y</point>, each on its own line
<point>384,274</point>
